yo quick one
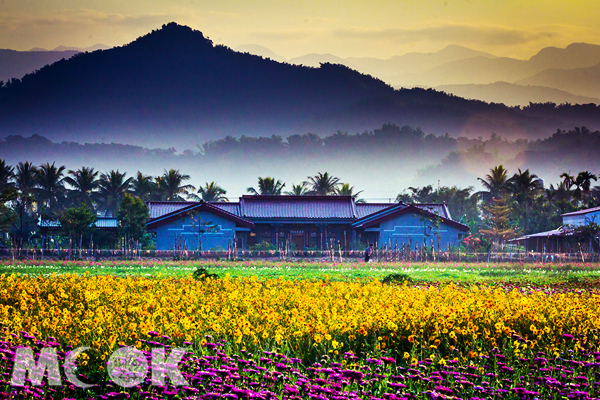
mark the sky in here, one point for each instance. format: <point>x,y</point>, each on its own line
<point>345,28</point>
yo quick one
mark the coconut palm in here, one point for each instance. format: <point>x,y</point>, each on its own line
<point>50,187</point>
<point>346,190</point>
<point>212,192</point>
<point>171,186</point>
<point>496,181</point>
<point>143,186</point>
<point>583,181</point>
<point>6,175</point>
<point>568,180</point>
<point>25,177</point>
<point>112,187</point>
<point>25,181</point>
<point>84,182</point>
<point>267,186</point>
<point>523,187</point>
<point>322,184</point>
<point>298,190</point>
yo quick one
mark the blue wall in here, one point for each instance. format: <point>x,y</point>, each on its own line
<point>417,228</point>
<point>186,230</point>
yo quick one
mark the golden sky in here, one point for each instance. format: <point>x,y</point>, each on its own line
<point>346,28</point>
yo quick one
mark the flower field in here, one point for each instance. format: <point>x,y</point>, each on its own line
<point>257,337</point>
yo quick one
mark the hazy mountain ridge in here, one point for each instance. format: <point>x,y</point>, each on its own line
<point>580,80</point>
<point>15,64</point>
<point>453,65</point>
<point>173,87</point>
<point>513,95</point>
<point>457,65</point>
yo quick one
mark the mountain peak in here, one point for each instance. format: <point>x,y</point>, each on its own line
<point>463,52</point>
<point>575,55</point>
<point>173,34</point>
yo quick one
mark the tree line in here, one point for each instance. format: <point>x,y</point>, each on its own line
<point>511,205</point>
<point>508,205</point>
<point>76,198</point>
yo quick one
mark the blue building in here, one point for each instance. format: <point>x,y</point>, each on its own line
<point>561,239</point>
<point>412,225</point>
<point>195,226</point>
<point>304,222</point>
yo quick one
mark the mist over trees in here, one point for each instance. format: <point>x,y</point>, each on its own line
<point>380,162</point>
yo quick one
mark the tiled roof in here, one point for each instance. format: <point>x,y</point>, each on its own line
<point>298,207</point>
<point>364,209</point>
<point>160,208</point>
<point>581,212</point>
<point>101,222</point>
<point>560,231</point>
<point>294,207</point>
<point>401,208</point>
<point>107,222</point>
<point>437,209</point>
<point>47,223</point>
<point>194,206</point>
<point>233,208</point>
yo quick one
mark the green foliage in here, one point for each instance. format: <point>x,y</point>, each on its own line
<point>76,222</point>
<point>7,215</point>
<point>267,186</point>
<point>212,192</point>
<point>497,222</point>
<point>396,279</point>
<point>133,214</point>
<point>462,203</point>
<point>202,274</point>
<point>263,246</point>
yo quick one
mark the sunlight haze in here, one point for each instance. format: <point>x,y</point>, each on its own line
<point>290,28</point>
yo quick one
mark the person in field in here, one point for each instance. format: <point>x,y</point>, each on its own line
<point>368,252</point>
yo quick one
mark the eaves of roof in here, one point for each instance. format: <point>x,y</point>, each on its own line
<point>401,209</point>
<point>581,212</point>
<point>152,224</point>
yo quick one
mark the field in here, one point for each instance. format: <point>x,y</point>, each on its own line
<point>306,330</point>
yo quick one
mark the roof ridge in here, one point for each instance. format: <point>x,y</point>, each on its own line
<point>353,207</point>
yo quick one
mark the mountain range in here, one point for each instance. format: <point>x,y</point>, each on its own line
<point>571,72</point>
<point>557,75</point>
<point>174,88</point>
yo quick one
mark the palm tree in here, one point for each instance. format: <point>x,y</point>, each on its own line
<point>550,193</point>
<point>267,187</point>
<point>25,178</point>
<point>171,186</point>
<point>51,187</point>
<point>568,180</point>
<point>212,192</point>
<point>523,187</point>
<point>112,187</point>
<point>84,182</point>
<point>495,182</point>
<point>143,186</point>
<point>323,184</point>
<point>298,190</point>
<point>583,181</point>
<point>346,190</point>
<point>24,225</point>
<point>6,175</point>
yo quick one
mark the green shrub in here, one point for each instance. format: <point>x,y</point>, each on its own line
<point>201,274</point>
<point>396,279</point>
<point>263,246</point>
